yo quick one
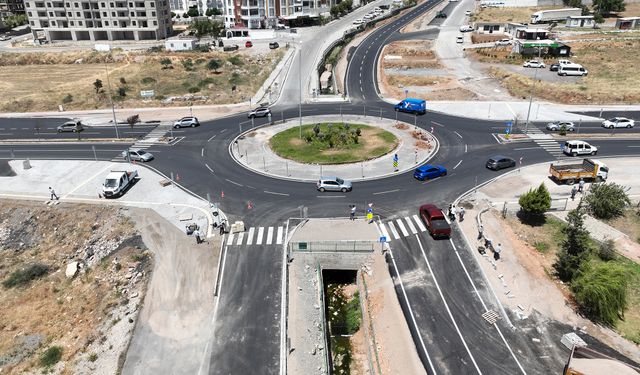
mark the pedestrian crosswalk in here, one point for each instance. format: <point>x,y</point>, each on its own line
<point>546,141</point>
<point>257,236</point>
<point>402,227</point>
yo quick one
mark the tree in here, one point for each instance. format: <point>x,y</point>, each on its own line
<point>206,27</point>
<point>335,11</point>
<point>607,250</point>
<point>97,85</point>
<point>132,120</point>
<point>607,201</point>
<point>122,91</point>
<point>601,291</point>
<point>185,15</point>
<point>166,63</point>
<point>15,20</point>
<point>605,7</point>
<point>213,12</point>
<point>123,81</point>
<point>575,248</point>
<point>535,202</point>
<point>193,12</point>
<point>214,64</point>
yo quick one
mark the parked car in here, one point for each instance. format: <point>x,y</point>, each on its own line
<point>554,67</point>
<point>533,64</point>
<point>459,40</point>
<point>186,122</point>
<point>557,125</point>
<point>333,184</point>
<point>503,42</point>
<point>358,21</point>
<point>434,219</point>
<point>230,47</point>
<point>248,44</point>
<point>575,147</point>
<point>4,38</point>
<point>618,122</point>
<point>260,112</point>
<point>137,155</point>
<point>441,14</point>
<point>70,126</point>
<point>572,70</point>
<point>468,13</point>
<point>274,45</point>
<point>428,172</point>
<point>498,162</point>
<point>465,28</point>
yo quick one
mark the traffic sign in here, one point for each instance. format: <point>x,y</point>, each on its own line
<point>383,239</point>
<point>395,158</point>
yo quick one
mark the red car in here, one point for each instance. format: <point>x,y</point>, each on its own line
<point>435,221</point>
<point>248,44</point>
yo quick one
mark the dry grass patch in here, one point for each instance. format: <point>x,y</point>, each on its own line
<point>403,81</point>
<point>420,48</point>
<point>412,63</point>
<point>486,38</point>
<point>508,14</point>
<point>628,224</point>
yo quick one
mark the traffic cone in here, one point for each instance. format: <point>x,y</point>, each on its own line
<point>177,177</point>
<point>249,205</point>
<point>222,194</point>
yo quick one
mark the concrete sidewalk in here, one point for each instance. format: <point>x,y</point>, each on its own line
<point>81,182</point>
<point>253,152</point>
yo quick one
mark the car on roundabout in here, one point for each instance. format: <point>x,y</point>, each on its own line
<point>333,184</point>
<point>260,112</point>
<point>429,172</point>
<point>498,162</point>
<point>618,122</point>
<point>137,155</point>
<point>186,122</point>
<point>557,125</point>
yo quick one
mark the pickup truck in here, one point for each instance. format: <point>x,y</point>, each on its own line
<point>435,221</point>
<point>589,169</point>
<point>117,182</point>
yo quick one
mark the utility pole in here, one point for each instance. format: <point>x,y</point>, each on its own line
<point>533,88</point>
<point>113,109</point>
<point>300,89</point>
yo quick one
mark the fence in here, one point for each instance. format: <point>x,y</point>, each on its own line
<point>332,246</point>
<point>557,204</point>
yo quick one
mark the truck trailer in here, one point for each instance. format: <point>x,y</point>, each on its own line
<point>588,170</point>
<point>554,15</point>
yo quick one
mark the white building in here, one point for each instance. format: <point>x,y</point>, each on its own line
<point>180,44</point>
<point>580,21</point>
<point>99,19</point>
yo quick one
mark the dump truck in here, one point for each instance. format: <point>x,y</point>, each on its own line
<point>555,15</point>
<point>117,182</point>
<point>585,361</point>
<point>588,170</point>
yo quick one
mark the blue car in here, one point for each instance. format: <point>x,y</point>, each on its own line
<point>428,172</point>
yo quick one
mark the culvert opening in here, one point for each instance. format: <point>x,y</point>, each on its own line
<point>343,316</point>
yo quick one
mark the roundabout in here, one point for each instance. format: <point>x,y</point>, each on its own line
<point>371,157</point>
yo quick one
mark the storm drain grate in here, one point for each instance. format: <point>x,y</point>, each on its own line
<point>491,316</point>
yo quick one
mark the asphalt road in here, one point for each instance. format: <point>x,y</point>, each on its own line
<point>45,129</point>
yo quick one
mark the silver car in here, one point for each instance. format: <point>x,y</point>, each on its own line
<point>137,155</point>
<point>557,125</point>
<point>333,184</point>
<point>70,126</point>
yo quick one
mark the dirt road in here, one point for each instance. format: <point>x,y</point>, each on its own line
<point>174,326</point>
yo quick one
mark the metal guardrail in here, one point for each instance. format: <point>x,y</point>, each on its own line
<point>333,246</point>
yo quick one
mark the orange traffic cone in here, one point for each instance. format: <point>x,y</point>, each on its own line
<point>249,205</point>
<point>177,177</point>
<point>222,194</point>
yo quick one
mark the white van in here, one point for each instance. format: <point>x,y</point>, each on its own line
<point>572,70</point>
<point>574,148</point>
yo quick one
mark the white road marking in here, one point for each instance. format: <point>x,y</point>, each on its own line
<point>412,228</point>
<point>209,168</point>
<point>212,137</point>
<point>446,305</point>
<point>202,152</point>
<point>260,234</point>
<point>385,192</point>
<point>402,228</point>
<point>269,235</point>
<point>465,148</point>
<point>233,182</point>
<point>419,223</point>
<point>87,180</point>
<point>393,230</point>
<point>330,196</point>
<point>457,164</point>
<point>230,238</point>
<point>525,148</point>
<point>458,134</point>
<point>240,238</point>
<point>279,236</point>
<point>275,193</point>
<point>250,236</point>
<point>383,229</point>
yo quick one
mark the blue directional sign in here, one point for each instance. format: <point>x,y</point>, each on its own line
<point>395,157</point>
<point>383,239</point>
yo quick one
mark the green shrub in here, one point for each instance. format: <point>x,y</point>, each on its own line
<point>607,250</point>
<point>67,99</point>
<point>353,314</point>
<point>25,276</point>
<point>575,248</point>
<point>235,60</point>
<point>194,89</point>
<point>93,357</point>
<point>535,202</point>
<point>51,356</point>
<point>607,201</point>
<point>148,80</point>
<point>601,291</point>
<point>206,81</point>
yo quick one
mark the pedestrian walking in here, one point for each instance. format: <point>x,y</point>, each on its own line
<point>487,243</point>
<point>196,234</point>
<point>222,229</point>
<point>581,186</point>
<point>480,232</point>
<point>573,193</point>
<point>496,252</point>
<point>461,213</point>
<point>352,214</point>
<point>452,212</point>
<point>53,194</point>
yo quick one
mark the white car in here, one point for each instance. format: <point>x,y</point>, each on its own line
<point>359,21</point>
<point>533,64</point>
<point>503,42</point>
<point>557,125</point>
<point>459,40</point>
<point>465,28</point>
<point>468,13</point>
<point>137,155</point>
<point>618,122</point>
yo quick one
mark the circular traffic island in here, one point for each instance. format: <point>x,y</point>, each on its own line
<point>333,143</point>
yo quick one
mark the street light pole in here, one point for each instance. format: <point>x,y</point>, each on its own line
<point>113,109</point>
<point>533,88</point>
<point>300,89</point>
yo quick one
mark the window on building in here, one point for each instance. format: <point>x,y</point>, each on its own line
<point>49,5</point>
<point>32,24</point>
<point>77,14</point>
<point>29,13</point>
<point>76,5</point>
<point>113,14</point>
<point>71,23</point>
<point>67,5</point>
<point>80,23</point>
<point>130,5</point>
<point>133,23</point>
<point>155,23</point>
<point>50,14</point>
<point>153,14</point>
<point>106,23</point>
<point>104,14</point>
<point>153,5</point>
<point>53,23</point>
<point>132,14</point>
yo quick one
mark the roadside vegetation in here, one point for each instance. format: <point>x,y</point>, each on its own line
<point>604,285</point>
<point>71,79</point>
<point>333,143</point>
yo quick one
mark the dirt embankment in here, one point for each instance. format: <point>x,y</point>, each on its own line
<point>72,280</point>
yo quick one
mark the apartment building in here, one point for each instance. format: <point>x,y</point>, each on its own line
<point>99,20</point>
<point>12,6</point>
<point>257,14</point>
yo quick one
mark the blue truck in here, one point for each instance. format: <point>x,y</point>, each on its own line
<point>412,105</point>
